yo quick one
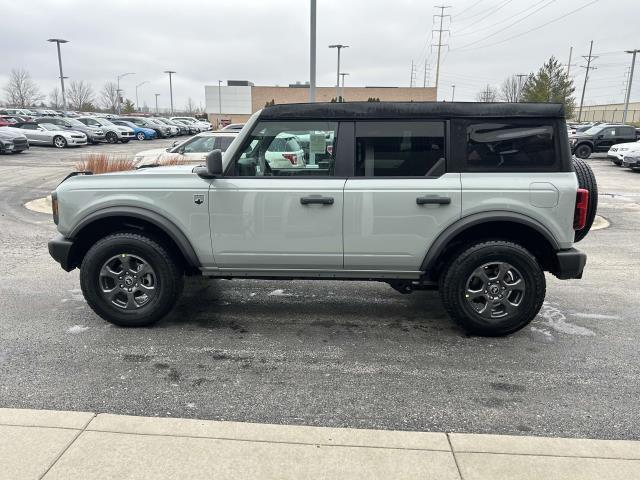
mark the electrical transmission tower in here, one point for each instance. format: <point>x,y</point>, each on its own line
<point>441,16</point>
<point>589,58</point>
<point>412,81</point>
<point>427,71</point>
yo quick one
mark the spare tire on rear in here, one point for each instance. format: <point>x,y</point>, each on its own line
<point>586,180</point>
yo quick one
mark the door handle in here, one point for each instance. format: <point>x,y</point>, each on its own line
<point>433,200</point>
<point>316,200</point>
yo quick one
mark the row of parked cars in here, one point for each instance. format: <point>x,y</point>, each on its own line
<point>620,142</point>
<point>62,131</point>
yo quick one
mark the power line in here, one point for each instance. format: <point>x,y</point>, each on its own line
<point>489,27</point>
<point>468,8</point>
<point>488,14</point>
<point>557,19</point>
<point>441,16</point>
<point>588,67</point>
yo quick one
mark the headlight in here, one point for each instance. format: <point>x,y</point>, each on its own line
<point>623,149</point>
<point>54,207</point>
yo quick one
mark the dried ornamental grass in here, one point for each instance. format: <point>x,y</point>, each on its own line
<point>104,163</point>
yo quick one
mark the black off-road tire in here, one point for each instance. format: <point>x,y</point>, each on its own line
<point>586,180</point>
<point>169,278</point>
<point>453,283</point>
<point>583,151</point>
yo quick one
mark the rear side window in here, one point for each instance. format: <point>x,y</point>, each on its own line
<point>504,146</point>
<point>398,149</point>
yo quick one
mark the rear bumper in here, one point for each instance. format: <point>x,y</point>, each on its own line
<point>570,263</point>
<point>60,250</point>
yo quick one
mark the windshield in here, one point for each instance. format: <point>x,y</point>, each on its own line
<point>104,122</point>
<point>593,130</point>
<point>49,126</point>
<point>75,123</point>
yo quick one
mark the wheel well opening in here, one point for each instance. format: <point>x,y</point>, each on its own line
<point>100,228</point>
<point>526,236</point>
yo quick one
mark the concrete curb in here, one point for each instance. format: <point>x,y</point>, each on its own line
<point>78,445</point>
<point>40,205</point>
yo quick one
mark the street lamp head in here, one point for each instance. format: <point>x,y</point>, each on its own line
<point>169,71</point>
<point>57,40</point>
<point>338,46</point>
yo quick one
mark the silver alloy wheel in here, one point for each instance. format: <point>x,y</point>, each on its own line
<point>495,290</point>
<point>127,281</point>
<point>140,136</point>
<point>59,142</point>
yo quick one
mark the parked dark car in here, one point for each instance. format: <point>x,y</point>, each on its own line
<point>162,131</point>
<point>94,135</point>
<point>12,141</point>
<point>600,138</point>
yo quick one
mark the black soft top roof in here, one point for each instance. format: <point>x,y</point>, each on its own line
<point>398,110</point>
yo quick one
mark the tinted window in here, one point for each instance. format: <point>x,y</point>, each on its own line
<point>294,148</point>
<point>503,146</point>
<point>223,142</point>
<point>398,149</point>
<point>29,127</point>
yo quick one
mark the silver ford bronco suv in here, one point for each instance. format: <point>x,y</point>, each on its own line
<point>476,200</point>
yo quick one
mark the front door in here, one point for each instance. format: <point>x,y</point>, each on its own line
<point>400,197</point>
<point>281,213</point>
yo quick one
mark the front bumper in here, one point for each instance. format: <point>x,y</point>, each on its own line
<point>631,162</point>
<point>60,250</point>
<point>570,263</point>
<point>615,157</point>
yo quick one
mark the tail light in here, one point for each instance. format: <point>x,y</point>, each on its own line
<point>292,157</point>
<point>330,149</point>
<point>580,213</point>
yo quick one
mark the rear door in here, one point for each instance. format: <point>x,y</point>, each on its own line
<point>400,197</point>
<point>273,217</point>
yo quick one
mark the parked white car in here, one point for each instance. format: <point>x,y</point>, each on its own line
<point>617,152</point>
<point>285,152</point>
<point>193,150</point>
<point>204,126</point>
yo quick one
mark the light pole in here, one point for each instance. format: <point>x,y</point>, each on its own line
<point>453,92</point>
<point>342,84</point>
<point>628,94</point>
<point>170,72</point>
<point>339,47</point>
<point>58,41</point>
<point>118,90</point>
<point>219,102</point>
<point>157,95</point>
<point>312,54</point>
<point>139,85</point>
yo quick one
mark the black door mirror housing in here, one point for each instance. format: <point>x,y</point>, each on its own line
<point>213,168</point>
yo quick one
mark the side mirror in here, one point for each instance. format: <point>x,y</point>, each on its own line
<point>176,143</point>
<point>214,165</point>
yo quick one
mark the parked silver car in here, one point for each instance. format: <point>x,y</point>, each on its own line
<point>50,134</point>
<point>112,133</point>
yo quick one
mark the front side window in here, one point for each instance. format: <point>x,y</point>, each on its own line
<point>197,145</point>
<point>289,148</point>
<point>398,149</point>
<point>504,146</point>
<point>609,133</point>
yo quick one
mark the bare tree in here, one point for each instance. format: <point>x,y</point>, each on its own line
<point>80,95</point>
<point>55,98</point>
<point>109,96</point>
<point>190,106</point>
<point>21,90</point>
<point>488,94</point>
<point>510,89</point>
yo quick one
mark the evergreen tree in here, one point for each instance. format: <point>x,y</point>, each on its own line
<point>550,85</point>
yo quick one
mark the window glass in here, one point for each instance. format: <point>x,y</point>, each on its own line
<point>223,142</point>
<point>29,126</point>
<point>502,146</point>
<point>398,149</point>
<point>608,132</point>
<point>295,148</point>
<point>197,145</point>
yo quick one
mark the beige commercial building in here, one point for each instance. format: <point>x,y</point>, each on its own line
<point>611,113</point>
<point>236,101</point>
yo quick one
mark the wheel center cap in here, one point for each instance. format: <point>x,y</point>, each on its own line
<point>128,281</point>
<point>494,289</point>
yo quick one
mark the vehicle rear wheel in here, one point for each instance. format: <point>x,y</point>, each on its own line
<point>586,180</point>
<point>583,151</point>
<point>59,142</point>
<point>111,137</point>
<point>130,280</point>
<point>140,136</point>
<point>493,288</point>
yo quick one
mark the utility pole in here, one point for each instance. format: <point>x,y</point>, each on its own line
<point>118,89</point>
<point>139,85</point>
<point>312,54</point>
<point>342,86</point>
<point>412,80</point>
<point>453,92</point>
<point>219,102</point>
<point>58,41</point>
<point>339,47</point>
<point>569,64</point>
<point>157,95</point>
<point>588,67</point>
<point>626,99</point>
<point>441,16</point>
<point>170,72</point>
<point>519,92</point>
<point>426,70</point>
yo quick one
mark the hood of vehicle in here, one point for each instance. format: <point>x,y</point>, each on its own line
<point>579,135</point>
<point>628,145</point>
<point>151,152</point>
<point>9,133</point>
<point>124,129</point>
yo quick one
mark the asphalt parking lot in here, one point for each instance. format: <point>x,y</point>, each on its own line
<point>323,353</point>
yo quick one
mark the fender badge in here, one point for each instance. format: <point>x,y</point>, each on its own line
<point>198,199</point>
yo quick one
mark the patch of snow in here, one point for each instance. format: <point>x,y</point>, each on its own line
<point>77,329</point>
<point>596,316</point>
<point>279,293</point>
<point>554,319</point>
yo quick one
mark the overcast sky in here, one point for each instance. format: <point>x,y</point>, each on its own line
<point>267,42</point>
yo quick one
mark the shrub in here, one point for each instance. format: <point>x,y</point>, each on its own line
<point>104,163</point>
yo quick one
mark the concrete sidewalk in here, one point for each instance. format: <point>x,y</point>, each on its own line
<point>37,444</point>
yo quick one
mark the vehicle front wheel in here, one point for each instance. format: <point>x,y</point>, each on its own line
<point>59,142</point>
<point>583,151</point>
<point>130,280</point>
<point>111,137</point>
<point>140,136</point>
<point>493,288</point>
